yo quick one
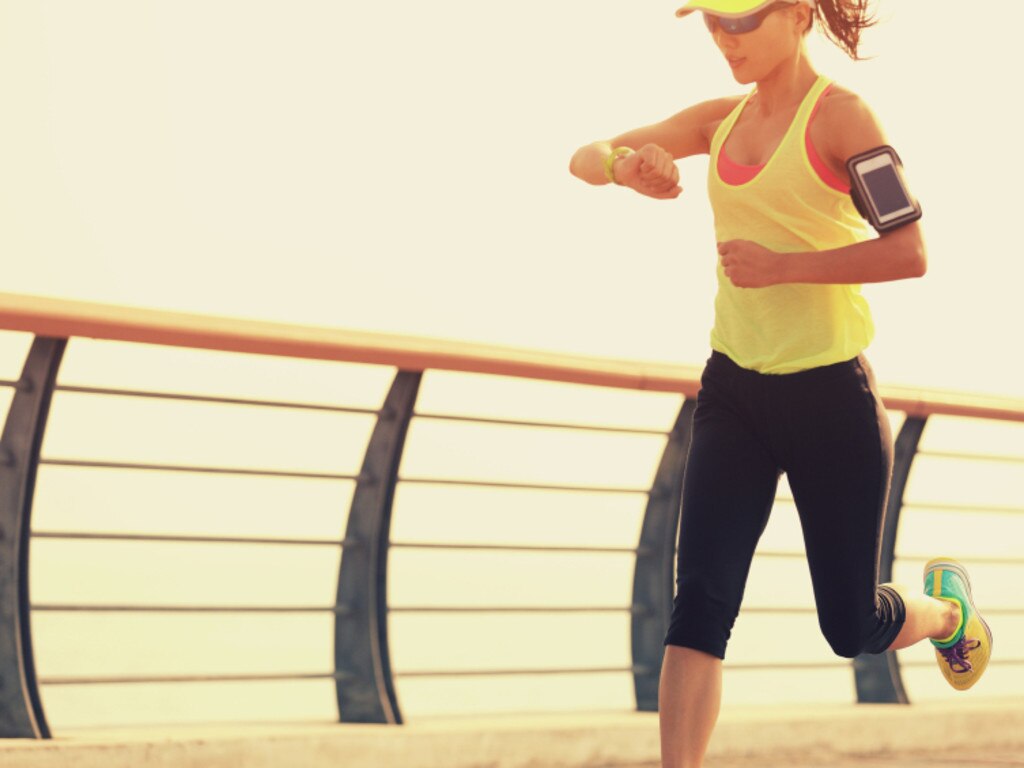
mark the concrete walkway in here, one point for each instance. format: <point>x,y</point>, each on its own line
<point>974,734</point>
<point>975,759</point>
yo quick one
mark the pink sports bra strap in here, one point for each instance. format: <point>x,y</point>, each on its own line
<point>823,171</point>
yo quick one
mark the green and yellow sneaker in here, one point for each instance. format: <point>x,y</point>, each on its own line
<point>964,655</point>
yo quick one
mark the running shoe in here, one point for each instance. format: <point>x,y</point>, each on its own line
<point>964,655</point>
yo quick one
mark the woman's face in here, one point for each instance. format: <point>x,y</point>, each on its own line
<point>753,55</point>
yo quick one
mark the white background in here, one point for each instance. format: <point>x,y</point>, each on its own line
<point>402,166</point>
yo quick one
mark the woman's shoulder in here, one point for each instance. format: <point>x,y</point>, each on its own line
<point>838,99</point>
<point>844,109</point>
<point>717,111</point>
<point>845,121</point>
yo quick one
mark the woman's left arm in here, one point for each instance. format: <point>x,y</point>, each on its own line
<point>847,129</point>
<point>895,255</point>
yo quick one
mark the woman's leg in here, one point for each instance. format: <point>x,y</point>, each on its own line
<point>839,463</point>
<point>689,697</point>
<point>728,489</point>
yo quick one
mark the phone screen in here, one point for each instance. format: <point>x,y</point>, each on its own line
<point>886,191</point>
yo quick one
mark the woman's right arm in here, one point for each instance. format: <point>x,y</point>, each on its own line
<point>651,170</point>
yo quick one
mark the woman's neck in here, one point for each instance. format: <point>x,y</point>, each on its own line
<point>785,86</point>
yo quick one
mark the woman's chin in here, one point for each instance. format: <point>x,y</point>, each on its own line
<point>741,71</point>
<point>742,76</point>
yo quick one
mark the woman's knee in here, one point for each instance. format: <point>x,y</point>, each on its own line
<point>851,634</point>
<point>699,620</point>
<point>844,641</point>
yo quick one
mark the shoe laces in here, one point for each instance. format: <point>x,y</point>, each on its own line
<point>956,654</point>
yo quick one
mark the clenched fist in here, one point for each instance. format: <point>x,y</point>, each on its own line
<point>650,171</point>
<point>749,265</point>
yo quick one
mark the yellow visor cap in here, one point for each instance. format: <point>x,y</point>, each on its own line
<point>730,8</point>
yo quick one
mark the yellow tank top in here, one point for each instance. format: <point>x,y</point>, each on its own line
<point>786,207</point>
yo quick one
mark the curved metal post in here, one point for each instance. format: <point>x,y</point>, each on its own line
<point>21,709</point>
<point>654,578</point>
<point>362,662</point>
<point>878,676</point>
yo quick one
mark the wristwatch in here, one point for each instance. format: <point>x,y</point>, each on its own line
<point>608,161</point>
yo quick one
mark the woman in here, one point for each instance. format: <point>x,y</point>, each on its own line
<point>787,387</point>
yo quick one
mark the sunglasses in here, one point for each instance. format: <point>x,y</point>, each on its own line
<point>742,24</point>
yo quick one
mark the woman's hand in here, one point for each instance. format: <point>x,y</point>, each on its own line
<point>749,265</point>
<point>650,171</point>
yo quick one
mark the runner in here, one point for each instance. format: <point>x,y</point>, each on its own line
<point>787,387</point>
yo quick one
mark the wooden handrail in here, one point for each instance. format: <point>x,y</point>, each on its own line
<point>62,318</point>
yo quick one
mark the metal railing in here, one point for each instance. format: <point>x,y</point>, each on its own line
<point>364,679</point>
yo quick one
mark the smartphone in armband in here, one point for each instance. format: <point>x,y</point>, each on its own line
<point>879,189</point>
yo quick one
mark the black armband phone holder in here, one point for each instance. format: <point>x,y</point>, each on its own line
<point>879,189</point>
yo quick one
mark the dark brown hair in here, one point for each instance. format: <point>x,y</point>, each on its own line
<point>842,22</point>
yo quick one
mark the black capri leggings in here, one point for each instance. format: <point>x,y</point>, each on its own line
<point>827,430</point>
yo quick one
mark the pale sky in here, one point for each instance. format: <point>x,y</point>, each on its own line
<point>403,167</point>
